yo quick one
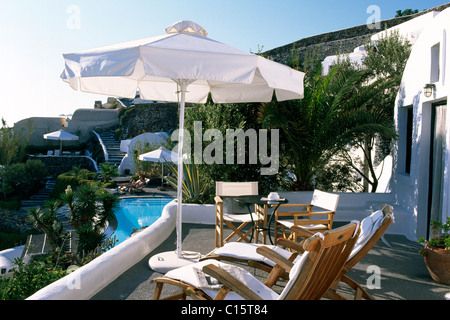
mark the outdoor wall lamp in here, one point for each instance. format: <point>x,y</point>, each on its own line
<point>428,89</point>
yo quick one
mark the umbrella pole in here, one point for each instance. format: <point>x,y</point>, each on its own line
<point>183,85</point>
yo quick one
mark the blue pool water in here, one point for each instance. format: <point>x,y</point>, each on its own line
<point>137,213</point>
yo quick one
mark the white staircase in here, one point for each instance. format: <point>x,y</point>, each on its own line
<point>112,145</point>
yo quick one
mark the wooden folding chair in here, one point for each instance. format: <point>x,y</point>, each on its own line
<point>323,205</point>
<point>373,228</point>
<point>309,278</point>
<point>362,247</point>
<point>235,221</point>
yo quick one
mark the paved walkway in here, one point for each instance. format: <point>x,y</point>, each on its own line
<point>403,272</point>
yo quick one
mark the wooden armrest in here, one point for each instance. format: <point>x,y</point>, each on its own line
<point>321,213</point>
<point>286,243</point>
<point>228,281</point>
<point>301,232</point>
<point>275,257</point>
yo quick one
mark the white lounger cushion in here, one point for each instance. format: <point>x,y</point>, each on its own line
<point>369,226</point>
<point>247,251</point>
<point>290,223</point>
<point>192,274</point>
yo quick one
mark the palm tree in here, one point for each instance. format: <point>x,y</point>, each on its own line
<point>336,111</point>
<point>108,171</point>
<point>109,203</point>
<point>46,219</point>
<point>90,209</point>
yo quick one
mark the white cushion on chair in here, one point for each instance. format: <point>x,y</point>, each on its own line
<point>247,251</point>
<point>240,218</point>
<point>290,223</point>
<point>192,274</point>
<point>293,274</point>
<point>369,225</point>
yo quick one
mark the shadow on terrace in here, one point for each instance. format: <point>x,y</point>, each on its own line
<point>403,272</point>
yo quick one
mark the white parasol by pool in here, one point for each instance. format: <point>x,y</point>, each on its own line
<point>182,65</point>
<point>159,155</point>
<point>60,135</point>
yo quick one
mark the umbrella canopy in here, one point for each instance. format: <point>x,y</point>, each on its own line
<point>60,135</point>
<point>151,65</point>
<point>162,68</point>
<point>159,155</point>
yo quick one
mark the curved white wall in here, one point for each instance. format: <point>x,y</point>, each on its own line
<point>94,276</point>
<point>88,280</point>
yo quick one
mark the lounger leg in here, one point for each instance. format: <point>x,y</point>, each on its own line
<point>158,290</point>
<point>359,291</point>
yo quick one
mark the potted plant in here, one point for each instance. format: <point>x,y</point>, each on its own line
<point>437,252</point>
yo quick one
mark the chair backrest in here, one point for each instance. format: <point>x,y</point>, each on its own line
<point>372,229</point>
<point>324,258</point>
<point>235,189</point>
<point>325,200</point>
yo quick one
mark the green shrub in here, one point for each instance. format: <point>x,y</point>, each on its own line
<point>73,178</point>
<point>11,239</point>
<point>28,279</point>
<point>23,178</point>
<point>10,204</point>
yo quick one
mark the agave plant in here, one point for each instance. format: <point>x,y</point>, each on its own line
<point>193,188</point>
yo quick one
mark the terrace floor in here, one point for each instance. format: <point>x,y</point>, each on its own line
<point>403,272</point>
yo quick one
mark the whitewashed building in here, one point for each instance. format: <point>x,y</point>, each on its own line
<point>421,155</point>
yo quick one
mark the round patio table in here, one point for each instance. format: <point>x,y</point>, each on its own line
<point>248,201</point>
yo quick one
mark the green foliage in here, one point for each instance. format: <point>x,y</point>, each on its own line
<point>440,235</point>
<point>108,171</point>
<point>22,178</point>
<point>90,239</point>
<point>223,117</point>
<point>10,238</point>
<point>387,57</point>
<point>10,204</point>
<point>12,149</point>
<point>145,168</point>
<point>334,113</point>
<point>46,220</point>
<point>406,12</point>
<point>73,178</point>
<point>193,187</point>
<point>29,278</point>
<point>90,208</point>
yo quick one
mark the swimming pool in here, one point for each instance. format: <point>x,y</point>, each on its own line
<point>137,213</point>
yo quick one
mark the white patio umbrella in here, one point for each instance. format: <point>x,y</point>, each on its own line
<point>160,155</point>
<point>60,135</point>
<point>182,65</point>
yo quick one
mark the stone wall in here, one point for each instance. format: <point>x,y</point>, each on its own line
<point>57,165</point>
<point>152,117</point>
<point>14,220</point>
<point>336,42</point>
